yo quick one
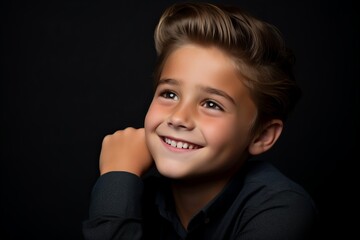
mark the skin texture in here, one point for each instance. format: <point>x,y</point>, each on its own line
<point>200,100</point>
<point>125,150</point>
<point>197,129</point>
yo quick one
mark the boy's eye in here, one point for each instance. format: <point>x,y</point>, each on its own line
<point>212,105</point>
<point>169,95</point>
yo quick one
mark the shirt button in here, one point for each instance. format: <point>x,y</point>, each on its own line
<point>207,220</point>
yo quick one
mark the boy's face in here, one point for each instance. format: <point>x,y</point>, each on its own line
<point>199,121</point>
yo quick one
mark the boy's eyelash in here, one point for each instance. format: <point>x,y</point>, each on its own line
<point>168,94</point>
<point>212,105</point>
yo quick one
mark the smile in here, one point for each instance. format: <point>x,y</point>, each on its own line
<point>180,144</point>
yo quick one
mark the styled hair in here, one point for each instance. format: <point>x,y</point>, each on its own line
<point>256,47</point>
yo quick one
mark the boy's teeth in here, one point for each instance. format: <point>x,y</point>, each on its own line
<point>179,144</point>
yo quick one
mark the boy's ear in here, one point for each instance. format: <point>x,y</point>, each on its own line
<point>266,138</point>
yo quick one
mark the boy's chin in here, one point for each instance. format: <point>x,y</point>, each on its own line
<point>169,171</point>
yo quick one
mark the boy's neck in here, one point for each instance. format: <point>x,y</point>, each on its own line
<point>191,197</point>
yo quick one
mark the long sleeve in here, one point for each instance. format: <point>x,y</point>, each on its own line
<point>115,208</point>
<point>286,215</point>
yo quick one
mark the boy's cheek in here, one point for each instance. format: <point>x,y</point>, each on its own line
<point>153,116</point>
<point>156,109</point>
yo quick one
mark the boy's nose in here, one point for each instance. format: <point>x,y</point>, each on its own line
<point>182,117</point>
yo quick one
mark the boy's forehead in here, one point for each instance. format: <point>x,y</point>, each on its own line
<point>195,59</point>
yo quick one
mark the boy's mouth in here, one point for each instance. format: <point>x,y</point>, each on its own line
<point>180,144</point>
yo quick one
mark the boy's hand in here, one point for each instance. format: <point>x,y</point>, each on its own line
<point>125,150</point>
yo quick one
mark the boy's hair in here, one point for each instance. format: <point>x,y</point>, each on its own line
<point>256,47</point>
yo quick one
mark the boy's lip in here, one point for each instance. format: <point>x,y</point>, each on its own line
<point>180,143</point>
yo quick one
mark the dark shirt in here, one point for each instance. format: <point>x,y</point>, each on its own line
<point>258,203</point>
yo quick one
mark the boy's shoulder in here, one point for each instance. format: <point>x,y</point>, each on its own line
<point>257,176</point>
<point>258,182</point>
<point>263,181</point>
<point>268,176</point>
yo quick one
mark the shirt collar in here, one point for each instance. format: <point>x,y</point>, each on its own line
<point>213,210</point>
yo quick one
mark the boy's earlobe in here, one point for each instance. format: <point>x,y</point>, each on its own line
<point>267,137</point>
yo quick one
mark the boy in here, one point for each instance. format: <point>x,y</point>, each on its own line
<point>224,87</point>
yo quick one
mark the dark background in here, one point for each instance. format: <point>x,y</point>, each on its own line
<point>72,72</point>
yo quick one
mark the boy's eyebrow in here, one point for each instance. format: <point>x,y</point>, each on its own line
<point>168,81</point>
<point>218,92</point>
<point>209,90</point>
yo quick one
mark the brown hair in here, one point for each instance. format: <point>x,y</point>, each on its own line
<point>255,46</point>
